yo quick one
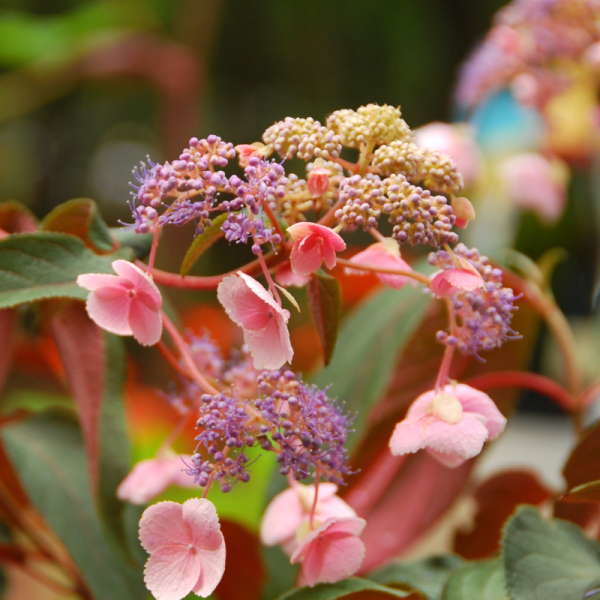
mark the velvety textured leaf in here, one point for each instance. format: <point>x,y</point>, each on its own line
<point>332,591</point>
<point>588,492</point>
<point>95,365</point>
<point>426,576</point>
<point>325,298</point>
<point>16,218</point>
<point>497,499</point>
<point>8,321</point>
<point>548,559</point>
<point>139,243</point>
<point>37,266</point>
<point>244,575</point>
<point>583,465</point>
<point>478,581</point>
<point>202,243</point>
<point>80,217</point>
<point>369,344</point>
<point>48,453</point>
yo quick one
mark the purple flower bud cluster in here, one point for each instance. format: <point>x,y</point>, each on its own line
<point>417,216</point>
<point>307,429</point>
<point>223,435</point>
<point>483,315</point>
<point>265,184</point>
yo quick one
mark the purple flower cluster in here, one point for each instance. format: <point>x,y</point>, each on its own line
<point>224,435</point>
<point>483,316</point>
<point>308,429</point>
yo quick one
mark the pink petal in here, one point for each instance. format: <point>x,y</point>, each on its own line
<point>108,307</point>
<point>479,403</point>
<point>446,459</point>
<point>93,281</point>
<point>145,319</point>
<point>378,255</point>
<point>213,567</point>
<point>162,525</point>
<point>299,231</point>
<point>270,347</point>
<point>328,253</point>
<point>408,436</point>
<point>172,572</point>
<point>455,281</point>
<point>464,439</point>
<point>200,516</point>
<point>141,281</point>
<point>282,518</point>
<point>286,277</point>
<point>305,263</point>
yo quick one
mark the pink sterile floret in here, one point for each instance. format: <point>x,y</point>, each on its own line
<point>264,322</point>
<point>126,304</point>
<point>286,277</point>
<point>313,244</point>
<point>152,477</point>
<point>331,552</point>
<point>456,281</point>
<point>186,547</point>
<point>383,255</point>
<point>318,181</point>
<point>290,509</point>
<point>452,424</point>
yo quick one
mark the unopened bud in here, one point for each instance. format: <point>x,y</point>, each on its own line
<point>318,181</point>
<point>464,211</point>
<point>247,151</point>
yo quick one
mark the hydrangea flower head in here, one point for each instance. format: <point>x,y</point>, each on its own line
<point>385,255</point>
<point>313,245</point>
<point>264,322</point>
<point>127,303</point>
<point>331,552</point>
<point>152,477</point>
<point>292,508</point>
<point>186,547</point>
<point>452,424</point>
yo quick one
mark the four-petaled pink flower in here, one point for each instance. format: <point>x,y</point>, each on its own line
<point>127,303</point>
<point>331,552</point>
<point>313,244</point>
<point>450,282</point>
<point>186,547</point>
<point>383,255</point>
<point>152,477</point>
<point>452,424</point>
<point>290,509</point>
<point>264,322</point>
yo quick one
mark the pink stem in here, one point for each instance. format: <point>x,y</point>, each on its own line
<point>189,361</point>
<point>531,381</point>
<point>153,250</point>
<point>270,281</point>
<point>412,274</point>
<point>314,506</point>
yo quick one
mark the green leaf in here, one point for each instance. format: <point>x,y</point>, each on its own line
<point>202,242</point>
<point>47,452</point>
<point>38,266</point>
<point>139,243</point>
<point>80,217</point>
<point>325,297</point>
<point>426,576</point>
<point>332,591</point>
<point>548,559</point>
<point>95,365</point>
<point>369,344</point>
<point>478,581</point>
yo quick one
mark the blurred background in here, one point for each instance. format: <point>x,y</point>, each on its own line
<point>89,88</point>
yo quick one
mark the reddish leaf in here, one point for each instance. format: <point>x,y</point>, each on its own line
<point>588,492</point>
<point>94,362</point>
<point>325,304</point>
<point>581,513</point>
<point>583,465</point>
<point>80,217</point>
<point>497,499</point>
<point>244,571</point>
<point>16,218</point>
<point>8,319</point>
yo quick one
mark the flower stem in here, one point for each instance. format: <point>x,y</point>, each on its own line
<point>172,360</point>
<point>444,372</point>
<point>153,250</point>
<point>314,506</point>
<point>412,274</point>
<point>329,216</point>
<point>272,218</point>
<point>270,281</point>
<point>185,355</point>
